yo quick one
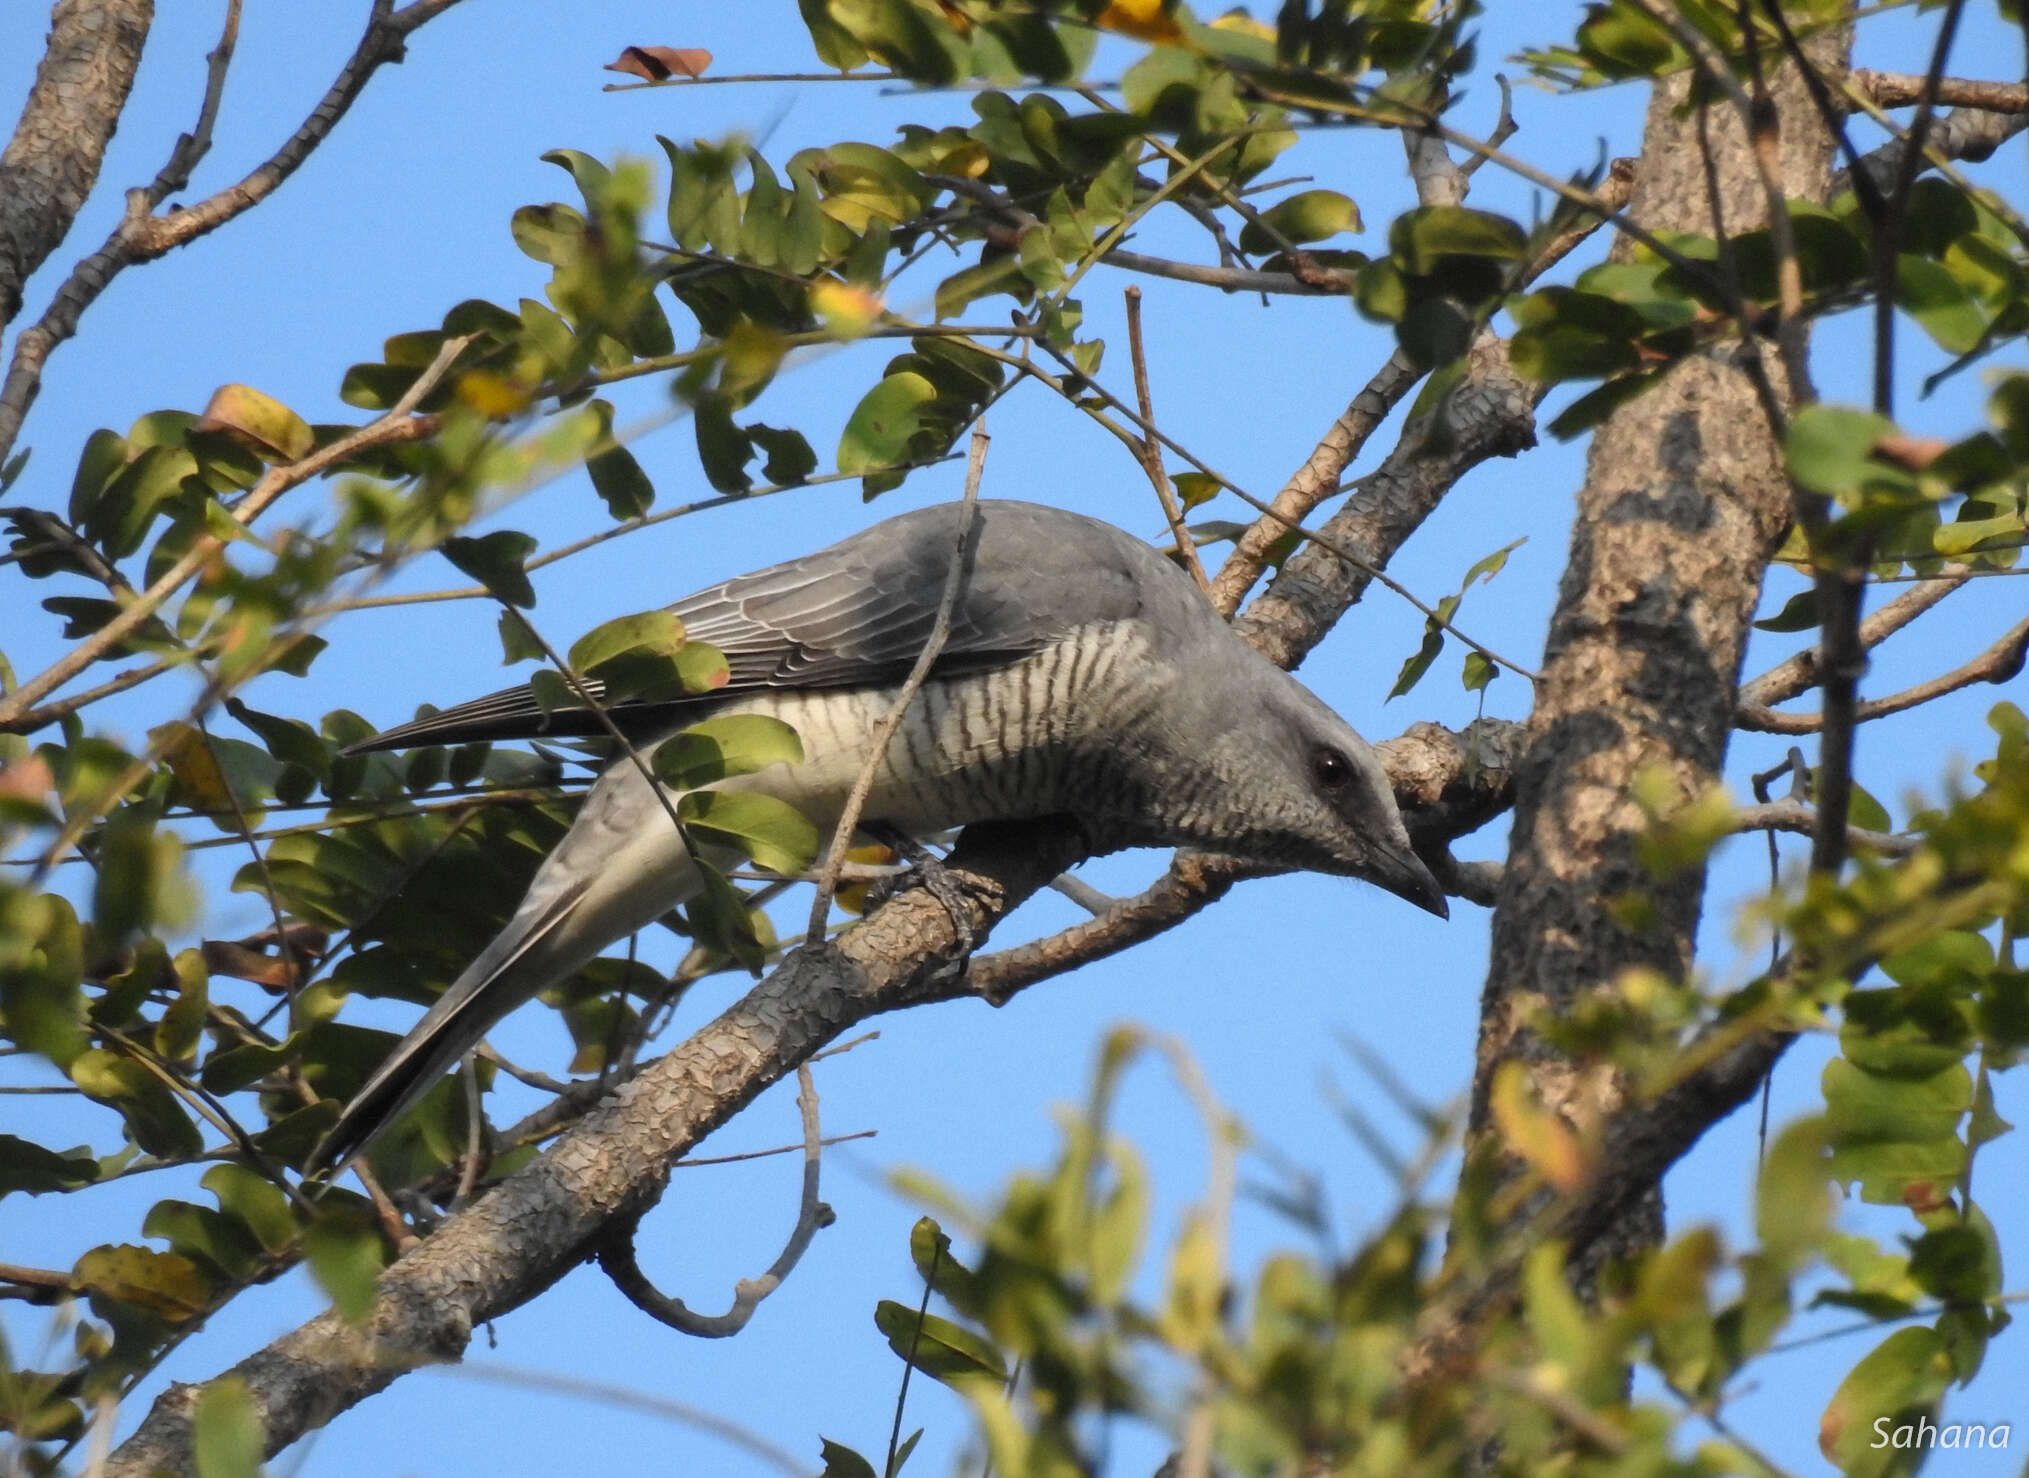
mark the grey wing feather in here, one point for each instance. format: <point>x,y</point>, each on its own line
<point>857,614</point>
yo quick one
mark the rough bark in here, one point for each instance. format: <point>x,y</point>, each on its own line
<point>52,161</point>
<point>1684,501</point>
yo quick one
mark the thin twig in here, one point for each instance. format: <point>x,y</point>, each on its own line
<point>1151,452</point>
<point>397,425</point>
<point>1330,546</point>
<point>193,146</point>
<point>617,1259</point>
<point>631,526</point>
<point>133,677</point>
<point>694,1162</point>
<point>884,732</point>
<point>142,236</point>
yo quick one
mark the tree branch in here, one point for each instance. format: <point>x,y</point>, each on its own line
<point>1684,502</point>
<point>533,1228</point>
<point>1798,673</point>
<point>1904,89</point>
<point>1793,816</point>
<point>1997,664</point>
<point>397,426</point>
<point>142,236</point>
<point>1964,133</point>
<point>52,161</point>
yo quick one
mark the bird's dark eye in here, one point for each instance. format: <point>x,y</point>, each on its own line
<point>1331,768</point>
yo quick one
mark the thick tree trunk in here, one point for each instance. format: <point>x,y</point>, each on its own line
<point>53,159</point>
<point>1684,501</point>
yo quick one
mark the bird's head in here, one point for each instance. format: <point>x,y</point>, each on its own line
<point>1305,790</point>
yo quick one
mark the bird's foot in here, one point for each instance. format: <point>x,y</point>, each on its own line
<point>927,871</point>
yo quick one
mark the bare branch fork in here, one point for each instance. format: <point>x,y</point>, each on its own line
<point>143,236</point>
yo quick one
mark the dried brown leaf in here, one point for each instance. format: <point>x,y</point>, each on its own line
<point>660,63</point>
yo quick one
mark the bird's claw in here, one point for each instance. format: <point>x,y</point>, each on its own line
<point>927,871</point>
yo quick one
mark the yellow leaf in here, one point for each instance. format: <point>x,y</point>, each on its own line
<point>258,422</point>
<point>1145,20</point>
<point>847,311</point>
<point>1240,23</point>
<point>1534,1134</point>
<point>493,396</point>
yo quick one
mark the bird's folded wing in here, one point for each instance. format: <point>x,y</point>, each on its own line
<point>856,614</point>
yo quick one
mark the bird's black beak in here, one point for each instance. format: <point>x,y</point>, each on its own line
<point>1403,874</point>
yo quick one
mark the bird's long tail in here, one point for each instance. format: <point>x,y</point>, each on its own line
<point>520,962</point>
<point>608,878</point>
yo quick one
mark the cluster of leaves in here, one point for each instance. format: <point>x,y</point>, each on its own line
<point>1057,1328</point>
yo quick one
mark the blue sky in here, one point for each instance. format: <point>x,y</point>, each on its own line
<point>404,212</point>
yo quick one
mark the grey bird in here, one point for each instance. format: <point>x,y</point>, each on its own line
<point>1083,675</point>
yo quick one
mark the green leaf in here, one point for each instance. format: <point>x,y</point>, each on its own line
<point>517,642</point>
<point>841,1461</point>
<point>1419,661</point>
<point>552,234</point>
<point>1477,672</point>
<point>789,457</point>
<point>729,744</point>
<point>1421,239</point>
<point>1830,451</point>
<point>722,447</point>
<point>616,474</point>
<point>259,422</point>
<point>1119,1224</point>
<point>209,1238</point>
<point>944,1351</point>
<point>1798,613</point>
<point>957,1284</point>
<point>166,1285</point>
<point>495,561</point>
<point>721,920</point>
<point>104,454</point>
<point>256,1202</point>
<point>834,44</point>
<point>135,866</point>
<point>1902,1379</point>
<point>1793,1199</point>
<point>1964,535</point>
<point>1883,1108</point>
<point>648,634</point>
<point>881,426</point>
<point>1488,566</point>
<point>344,1253</point>
<point>774,833</point>
<point>1940,304</point>
<point>969,284</point>
<point>119,520</point>
<point>1309,215</point>
<point>27,1166</point>
<point>225,1431</point>
<point>13,467</point>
